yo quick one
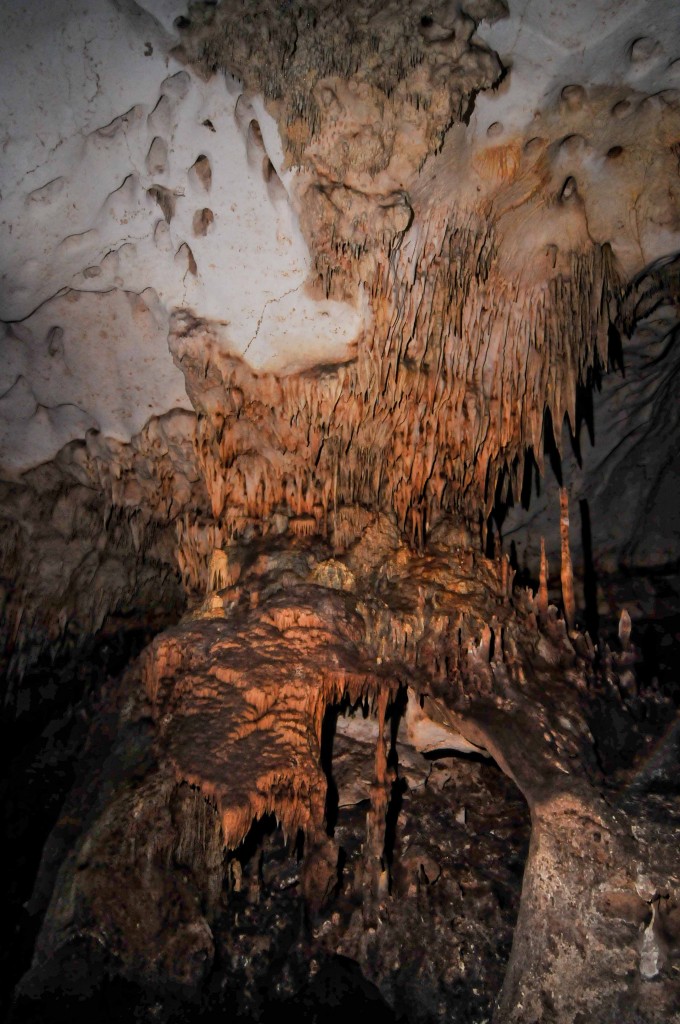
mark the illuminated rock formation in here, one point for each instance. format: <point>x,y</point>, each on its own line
<point>302,304</point>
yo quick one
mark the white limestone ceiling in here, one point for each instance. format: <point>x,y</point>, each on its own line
<point>592,96</point>
<point>131,188</point>
<point>547,46</point>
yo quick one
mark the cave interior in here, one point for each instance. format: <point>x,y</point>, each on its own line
<point>340,511</point>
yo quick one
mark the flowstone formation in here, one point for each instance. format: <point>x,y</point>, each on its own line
<point>234,717</point>
<point>364,271</point>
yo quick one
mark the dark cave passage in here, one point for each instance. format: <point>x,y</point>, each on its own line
<point>47,746</point>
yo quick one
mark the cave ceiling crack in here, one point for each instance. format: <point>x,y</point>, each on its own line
<point>269,302</point>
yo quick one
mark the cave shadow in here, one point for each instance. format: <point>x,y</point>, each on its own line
<point>504,495</point>
<point>615,356</point>
<point>550,447</point>
<point>42,744</point>
<point>328,730</point>
<point>592,616</point>
<point>338,992</point>
<point>584,412</point>
<point>398,788</point>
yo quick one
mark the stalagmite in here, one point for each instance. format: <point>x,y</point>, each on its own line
<point>566,570</point>
<point>375,822</point>
<point>542,600</point>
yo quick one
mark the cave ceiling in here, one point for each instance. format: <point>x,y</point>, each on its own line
<point>326,325</point>
<point>432,230</point>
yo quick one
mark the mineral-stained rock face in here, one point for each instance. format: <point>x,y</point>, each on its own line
<point>294,314</point>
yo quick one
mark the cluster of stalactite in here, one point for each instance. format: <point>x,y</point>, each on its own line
<point>448,389</point>
<point>417,55</point>
<point>473,334</point>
